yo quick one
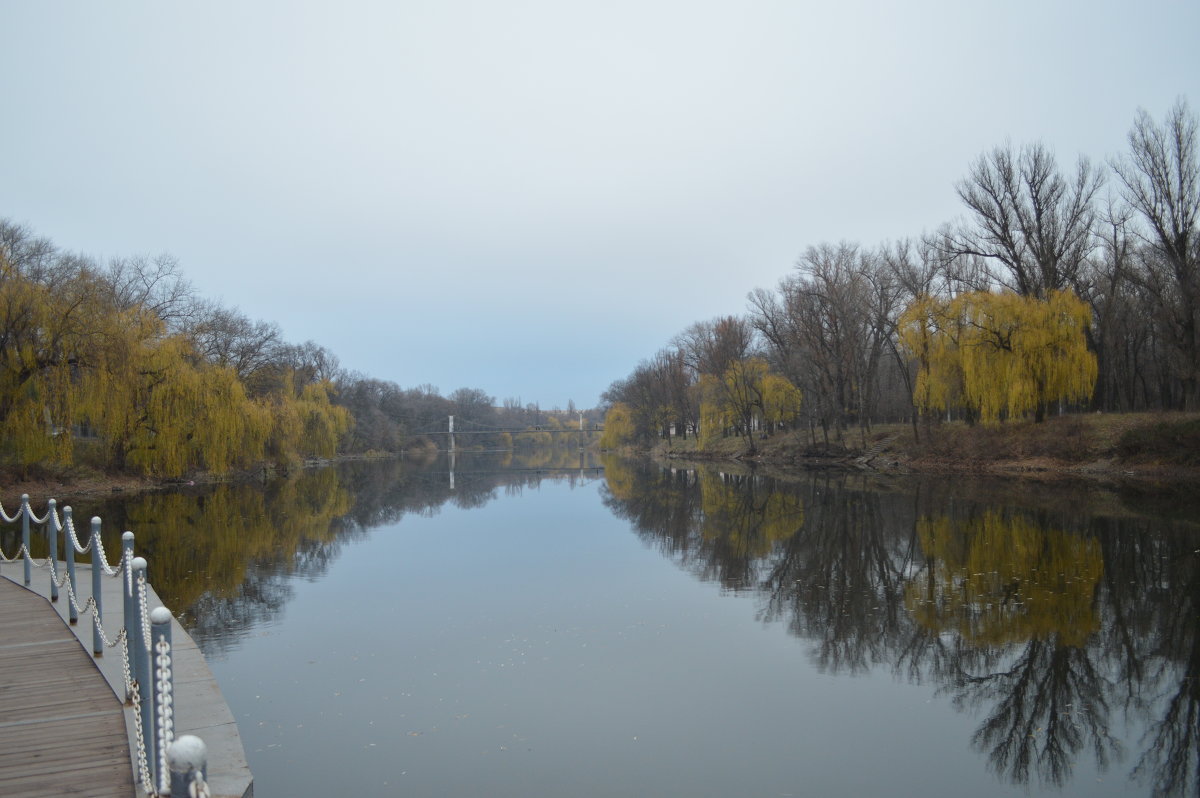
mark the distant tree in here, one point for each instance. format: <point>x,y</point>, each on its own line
<point>828,329</point>
<point>618,427</point>
<point>372,404</point>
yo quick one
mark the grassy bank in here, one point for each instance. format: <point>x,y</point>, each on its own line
<point>1158,445</point>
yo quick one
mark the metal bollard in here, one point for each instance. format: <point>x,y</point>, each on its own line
<point>160,618</point>
<point>187,758</point>
<point>52,531</point>
<point>98,613</point>
<point>130,596</point>
<point>25,511</point>
<point>69,545</point>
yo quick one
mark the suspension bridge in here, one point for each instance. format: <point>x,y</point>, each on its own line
<point>467,427</point>
<point>134,712</point>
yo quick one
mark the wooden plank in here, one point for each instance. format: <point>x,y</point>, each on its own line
<point>62,731</point>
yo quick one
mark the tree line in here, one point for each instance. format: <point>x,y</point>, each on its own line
<point>124,366</point>
<point>1058,288</point>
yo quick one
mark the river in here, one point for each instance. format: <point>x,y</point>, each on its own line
<point>556,625</point>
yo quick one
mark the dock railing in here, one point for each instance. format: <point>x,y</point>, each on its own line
<point>163,764</point>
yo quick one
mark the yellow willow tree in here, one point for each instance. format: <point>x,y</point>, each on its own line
<point>618,426</point>
<point>746,391</point>
<point>48,333</point>
<point>713,418</point>
<point>780,400</point>
<point>161,410</point>
<point>742,389</point>
<point>304,422</point>
<point>999,355</point>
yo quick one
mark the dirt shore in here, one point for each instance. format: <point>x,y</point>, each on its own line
<point>1106,447</point>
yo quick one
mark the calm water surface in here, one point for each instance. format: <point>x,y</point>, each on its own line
<point>549,628</point>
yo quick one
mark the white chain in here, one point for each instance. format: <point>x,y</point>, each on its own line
<point>23,553</point>
<point>198,788</point>
<point>142,761</point>
<point>147,640</point>
<point>85,608</point>
<point>15,515</point>
<point>20,555</point>
<point>166,709</point>
<point>75,537</point>
<point>104,566</point>
<point>34,518</point>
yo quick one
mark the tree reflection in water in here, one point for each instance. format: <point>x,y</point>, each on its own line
<point>224,557</point>
<point>1053,615</point>
<point>1050,622</point>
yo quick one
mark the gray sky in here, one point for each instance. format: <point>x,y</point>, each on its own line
<point>531,197</point>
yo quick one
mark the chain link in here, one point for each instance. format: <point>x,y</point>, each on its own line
<point>75,537</point>
<point>99,553</point>
<point>20,555</point>
<point>34,518</point>
<point>198,788</point>
<point>147,640</point>
<point>143,764</point>
<point>166,709</point>
<point>15,516</point>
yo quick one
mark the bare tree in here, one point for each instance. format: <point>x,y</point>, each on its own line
<point>711,347</point>
<point>829,328</point>
<point>154,284</point>
<point>1027,217</point>
<point>1160,179</point>
<point>228,338</point>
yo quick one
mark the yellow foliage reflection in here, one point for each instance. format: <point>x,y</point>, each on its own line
<point>205,544</point>
<point>619,477</point>
<point>1002,579</point>
<point>747,523</point>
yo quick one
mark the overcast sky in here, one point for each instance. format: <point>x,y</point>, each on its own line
<point>531,197</point>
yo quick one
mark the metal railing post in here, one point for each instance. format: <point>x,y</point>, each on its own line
<point>129,596</point>
<point>98,613</point>
<point>160,618</point>
<point>141,659</point>
<point>25,511</point>
<point>52,531</point>
<point>69,545</point>
<point>188,760</point>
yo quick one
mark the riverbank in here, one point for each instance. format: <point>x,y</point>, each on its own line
<point>1160,446</point>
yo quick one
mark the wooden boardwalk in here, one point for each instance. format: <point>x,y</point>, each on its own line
<point>62,730</point>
